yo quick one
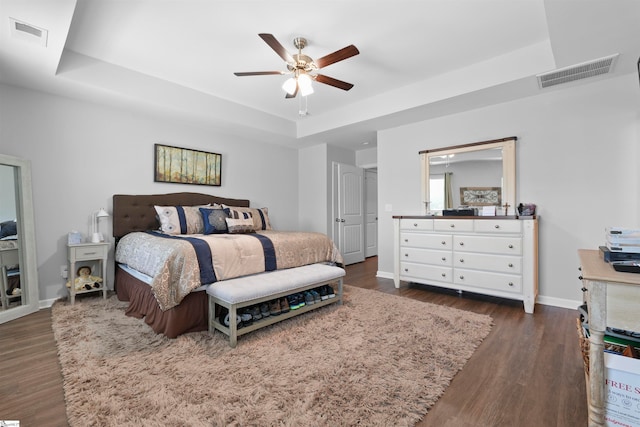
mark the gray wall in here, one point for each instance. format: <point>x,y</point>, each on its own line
<point>81,154</point>
<point>577,159</point>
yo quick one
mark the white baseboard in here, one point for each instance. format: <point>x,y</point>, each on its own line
<point>384,274</point>
<point>46,303</point>
<point>558,302</point>
<point>544,300</point>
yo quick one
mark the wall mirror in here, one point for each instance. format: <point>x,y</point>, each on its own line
<point>474,175</point>
<point>18,265</point>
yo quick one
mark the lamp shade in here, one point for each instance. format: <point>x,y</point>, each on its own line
<point>96,236</point>
<point>289,86</point>
<point>304,81</point>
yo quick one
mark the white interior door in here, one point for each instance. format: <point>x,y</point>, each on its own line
<point>349,211</point>
<point>371,209</point>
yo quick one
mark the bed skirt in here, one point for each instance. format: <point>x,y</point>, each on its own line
<point>191,315</point>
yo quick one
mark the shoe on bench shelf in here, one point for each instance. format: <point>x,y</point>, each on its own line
<point>284,305</point>
<point>308,298</point>
<point>330,292</point>
<point>316,296</point>
<point>265,310</point>
<point>274,307</point>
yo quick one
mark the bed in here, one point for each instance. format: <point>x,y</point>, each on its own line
<point>164,275</point>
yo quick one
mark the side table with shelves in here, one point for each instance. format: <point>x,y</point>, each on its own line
<point>612,298</point>
<point>80,252</point>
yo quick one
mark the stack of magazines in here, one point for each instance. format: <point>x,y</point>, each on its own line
<point>622,249</point>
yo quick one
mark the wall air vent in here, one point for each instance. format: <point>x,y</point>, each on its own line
<point>577,72</point>
<point>27,32</point>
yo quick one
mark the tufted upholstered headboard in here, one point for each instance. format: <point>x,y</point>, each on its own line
<point>137,212</point>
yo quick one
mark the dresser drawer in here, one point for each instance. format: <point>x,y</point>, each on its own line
<point>494,263</point>
<point>498,226</point>
<point>483,279</point>
<point>416,224</point>
<point>427,256</point>
<point>426,272</point>
<point>488,244</point>
<point>453,225</point>
<point>80,253</point>
<point>426,241</point>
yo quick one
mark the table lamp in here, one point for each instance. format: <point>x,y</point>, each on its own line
<point>96,236</point>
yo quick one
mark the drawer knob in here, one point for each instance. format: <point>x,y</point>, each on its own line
<point>406,240</point>
<point>444,258</point>
<point>415,224</point>
<point>461,277</point>
<point>511,284</point>
<point>443,242</point>
<point>407,255</point>
<point>452,225</point>
<point>584,289</point>
<point>579,277</point>
<point>406,270</point>
<point>461,243</point>
<point>444,274</point>
<point>510,264</point>
<point>461,259</point>
<point>510,246</point>
<point>497,226</point>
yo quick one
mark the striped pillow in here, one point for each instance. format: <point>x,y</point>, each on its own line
<point>180,219</point>
<point>236,214</point>
<point>260,216</point>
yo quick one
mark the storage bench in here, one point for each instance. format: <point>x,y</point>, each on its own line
<point>241,292</point>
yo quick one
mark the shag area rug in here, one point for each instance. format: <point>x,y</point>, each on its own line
<point>378,359</point>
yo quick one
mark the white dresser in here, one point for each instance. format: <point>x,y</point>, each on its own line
<point>487,255</point>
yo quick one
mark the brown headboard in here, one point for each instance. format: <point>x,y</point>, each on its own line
<point>137,212</point>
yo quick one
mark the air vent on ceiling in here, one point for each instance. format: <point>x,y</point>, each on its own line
<point>577,72</point>
<point>31,33</point>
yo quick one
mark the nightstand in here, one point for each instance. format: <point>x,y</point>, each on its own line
<point>78,253</point>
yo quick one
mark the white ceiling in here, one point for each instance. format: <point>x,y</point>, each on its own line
<point>418,59</point>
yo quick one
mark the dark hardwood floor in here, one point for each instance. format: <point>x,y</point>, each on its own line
<point>527,372</point>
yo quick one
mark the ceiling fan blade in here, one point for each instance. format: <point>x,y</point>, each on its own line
<point>259,73</point>
<point>292,95</point>
<point>339,55</point>
<point>275,45</point>
<point>333,82</point>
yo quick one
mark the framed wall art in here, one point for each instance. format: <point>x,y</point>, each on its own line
<point>186,166</point>
<point>480,196</point>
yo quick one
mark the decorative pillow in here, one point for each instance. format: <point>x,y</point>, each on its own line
<point>8,228</point>
<point>181,219</point>
<point>236,214</point>
<point>241,225</point>
<point>260,216</point>
<point>214,221</point>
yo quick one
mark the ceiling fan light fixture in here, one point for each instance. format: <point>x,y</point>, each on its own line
<point>300,65</point>
<point>304,82</point>
<point>289,86</point>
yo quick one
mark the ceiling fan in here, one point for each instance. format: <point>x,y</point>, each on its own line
<point>303,67</point>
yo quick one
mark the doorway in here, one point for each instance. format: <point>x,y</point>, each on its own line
<point>371,211</point>
<point>348,211</point>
